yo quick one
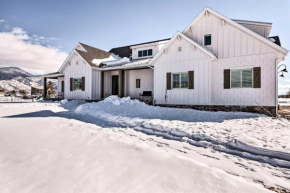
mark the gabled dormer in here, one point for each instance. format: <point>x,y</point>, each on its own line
<point>231,38</point>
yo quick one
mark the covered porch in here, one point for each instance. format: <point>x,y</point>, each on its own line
<point>53,86</point>
<point>131,81</point>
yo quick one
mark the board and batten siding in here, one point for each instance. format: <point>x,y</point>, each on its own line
<point>146,82</point>
<point>189,59</point>
<point>264,96</point>
<point>59,80</point>
<point>96,86</point>
<point>74,70</point>
<point>236,49</point>
<point>227,41</point>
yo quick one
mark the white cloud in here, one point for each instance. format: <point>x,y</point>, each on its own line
<point>287,80</point>
<point>20,50</point>
<point>2,21</point>
<point>283,88</point>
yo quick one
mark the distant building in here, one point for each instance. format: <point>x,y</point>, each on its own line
<point>36,90</point>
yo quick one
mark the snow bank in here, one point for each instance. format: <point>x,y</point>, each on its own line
<point>237,133</point>
<point>115,100</point>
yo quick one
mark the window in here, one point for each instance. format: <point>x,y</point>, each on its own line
<point>77,83</point>
<point>180,80</point>
<point>179,49</point>
<point>242,78</point>
<point>144,53</point>
<point>150,52</point>
<point>207,39</point>
<point>140,54</point>
<point>138,83</point>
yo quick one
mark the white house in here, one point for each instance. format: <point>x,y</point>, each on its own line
<point>214,62</point>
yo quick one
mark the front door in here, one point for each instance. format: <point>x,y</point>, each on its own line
<point>115,84</point>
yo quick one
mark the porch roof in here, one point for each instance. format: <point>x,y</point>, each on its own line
<point>53,75</point>
<point>133,64</point>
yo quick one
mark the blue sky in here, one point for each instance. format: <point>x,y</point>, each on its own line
<point>106,24</point>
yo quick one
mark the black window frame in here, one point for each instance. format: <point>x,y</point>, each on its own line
<point>145,53</point>
<point>140,53</point>
<point>207,42</point>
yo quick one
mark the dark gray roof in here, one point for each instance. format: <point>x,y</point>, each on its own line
<point>92,53</point>
<point>125,51</point>
<point>277,40</point>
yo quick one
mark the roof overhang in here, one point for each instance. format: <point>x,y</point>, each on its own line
<point>135,67</point>
<point>258,37</point>
<point>52,75</point>
<point>181,35</point>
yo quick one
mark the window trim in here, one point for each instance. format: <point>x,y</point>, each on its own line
<point>147,53</point>
<point>179,80</point>
<point>241,87</point>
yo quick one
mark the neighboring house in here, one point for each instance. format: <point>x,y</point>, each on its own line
<point>2,91</point>
<point>36,90</point>
<point>214,61</point>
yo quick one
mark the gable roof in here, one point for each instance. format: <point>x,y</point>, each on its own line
<point>92,53</point>
<point>238,26</point>
<point>194,43</point>
<point>88,55</point>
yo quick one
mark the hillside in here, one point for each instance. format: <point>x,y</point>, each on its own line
<point>14,78</point>
<point>12,72</point>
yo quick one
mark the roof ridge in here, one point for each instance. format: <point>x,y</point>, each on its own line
<point>92,47</point>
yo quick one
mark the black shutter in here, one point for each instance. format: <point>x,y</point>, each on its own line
<point>83,83</point>
<point>190,79</point>
<point>227,79</point>
<point>62,86</point>
<point>257,77</point>
<point>71,84</point>
<point>168,81</point>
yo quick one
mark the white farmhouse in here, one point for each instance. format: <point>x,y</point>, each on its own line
<point>214,63</point>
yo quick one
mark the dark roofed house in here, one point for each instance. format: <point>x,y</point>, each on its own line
<point>194,67</point>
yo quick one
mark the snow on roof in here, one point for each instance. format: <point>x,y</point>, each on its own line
<point>132,63</point>
<point>112,57</point>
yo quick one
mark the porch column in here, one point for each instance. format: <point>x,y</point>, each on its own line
<point>102,85</point>
<point>44,87</point>
<point>121,83</point>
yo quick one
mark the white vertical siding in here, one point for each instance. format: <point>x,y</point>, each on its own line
<point>227,41</point>
<point>77,71</point>
<point>154,46</point>
<point>234,49</point>
<point>146,80</point>
<point>259,29</point>
<point>96,85</point>
<point>264,96</point>
<point>59,79</point>
<point>186,60</point>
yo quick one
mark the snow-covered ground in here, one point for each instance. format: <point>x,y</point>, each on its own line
<point>122,145</point>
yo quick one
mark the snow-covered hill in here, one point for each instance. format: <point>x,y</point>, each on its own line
<point>12,72</point>
<point>13,78</point>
